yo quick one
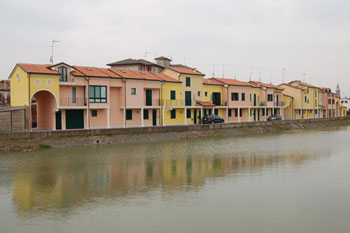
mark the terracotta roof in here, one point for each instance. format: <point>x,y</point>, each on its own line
<point>289,85</point>
<point>166,78</point>
<point>303,84</point>
<point>131,61</point>
<point>37,69</point>
<point>234,82</point>
<point>210,81</point>
<point>267,85</point>
<point>205,104</point>
<point>94,72</point>
<point>185,70</point>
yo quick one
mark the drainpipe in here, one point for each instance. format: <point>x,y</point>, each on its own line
<point>124,80</point>
<point>88,103</point>
<point>30,106</point>
<point>161,115</point>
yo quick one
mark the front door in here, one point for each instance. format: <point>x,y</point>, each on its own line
<point>258,114</point>
<point>188,98</point>
<point>58,120</point>
<point>154,117</point>
<point>195,116</point>
<point>254,113</point>
<point>148,97</point>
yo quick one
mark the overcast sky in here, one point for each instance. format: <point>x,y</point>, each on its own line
<point>302,36</point>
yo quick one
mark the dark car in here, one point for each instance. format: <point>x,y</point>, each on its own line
<point>211,119</point>
<point>274,118</point>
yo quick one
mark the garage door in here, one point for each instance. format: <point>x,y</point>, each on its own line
<point>74,119</point>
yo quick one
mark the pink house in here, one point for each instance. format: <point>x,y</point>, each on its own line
<point>93,97</point>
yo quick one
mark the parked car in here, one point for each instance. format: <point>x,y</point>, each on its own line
<point>211,119</point>
<point>274,118</point>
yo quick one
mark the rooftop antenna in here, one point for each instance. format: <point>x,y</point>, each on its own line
<point>185,58</point>
<point>146,53</point>
<point>223,70</point>
<point>271,76</point>
<point>52,46</point>
<point>304,77</point>
<point>250,72</point>
<point>214,70</point>
<point>261,69</point>
<point>283,71</point>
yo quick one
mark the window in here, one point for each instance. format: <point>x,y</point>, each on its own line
<point>145,114</point>
<point>133,91</point>
<point>37,82</point>
<point>243,97</point>
<point>49,82</point>
<point>98,94</point>
<point>206,93</point>
<point>229,112</point>
<point>94,113</point>
<point>329,101</point>
<point>263,112</point>
<point>188,113</point>
<point>240,112</point>
<point>199,93</point>
<point>236,112</point>
<point>234,96</point>
<point>173,114</point>
<point>128,114</point>
<point>270,97</point>
<point>305,99</point>
<point>188,81</point>
<point>63,71</point>
<point>332,101</point>
<point>74,94</point>
<point>173,95</point>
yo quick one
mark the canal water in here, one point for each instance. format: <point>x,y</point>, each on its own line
<point>295,181</point>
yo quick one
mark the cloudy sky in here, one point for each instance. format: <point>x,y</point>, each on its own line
<point>264,36</point>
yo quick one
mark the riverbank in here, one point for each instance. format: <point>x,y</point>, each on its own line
<point>27,141</point>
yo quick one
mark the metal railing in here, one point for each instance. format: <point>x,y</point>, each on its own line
<point>152,102</point>
<point>73,101</point>
<point>258,103</point>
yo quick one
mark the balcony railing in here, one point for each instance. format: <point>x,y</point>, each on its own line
<point>152,102</point>
<point>279,104</point>
<point>258,103</point>
<point>73,102</point>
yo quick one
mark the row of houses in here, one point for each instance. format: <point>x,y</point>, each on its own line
<point>138,93</point>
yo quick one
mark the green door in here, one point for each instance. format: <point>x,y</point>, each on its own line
<point>74,119</point>
<point>154,117</point>
<point>188,98</point>
<point>148,97</point>
<point>195,116</point>
<point>58,120</point>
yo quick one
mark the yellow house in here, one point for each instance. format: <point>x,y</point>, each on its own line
<point>36,85</point>
<point>298,95</point>
<point>191,91</point>
<point>311,98</point>
<point>212,99</point>
<point>173,111</point>
<point>289,110</point>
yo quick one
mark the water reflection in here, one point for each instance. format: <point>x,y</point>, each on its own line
<point>65,179</point>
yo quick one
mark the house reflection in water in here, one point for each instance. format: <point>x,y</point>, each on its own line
<point>69,181</point>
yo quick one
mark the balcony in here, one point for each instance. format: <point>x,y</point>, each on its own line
<point>279,104</point>
<point>258,103</point>
<point>73,102</point>
<point>152,102</point>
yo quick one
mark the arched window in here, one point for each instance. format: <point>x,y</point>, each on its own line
<point>63,71</point>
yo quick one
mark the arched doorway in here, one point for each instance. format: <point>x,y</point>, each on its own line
<point>44,115</point>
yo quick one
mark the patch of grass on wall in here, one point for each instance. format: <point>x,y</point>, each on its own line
<point>45,146</point>
<point>285,129</point>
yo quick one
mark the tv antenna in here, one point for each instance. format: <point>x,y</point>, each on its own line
<point>223,70</point>
<point>52,46</point>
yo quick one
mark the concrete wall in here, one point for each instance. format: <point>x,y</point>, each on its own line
<point>12,120</point>
<point>129,135</point>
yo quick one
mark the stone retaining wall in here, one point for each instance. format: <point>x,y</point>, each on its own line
<point>68,138</point>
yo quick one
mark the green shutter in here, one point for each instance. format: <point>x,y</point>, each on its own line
<point>173,95</point>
